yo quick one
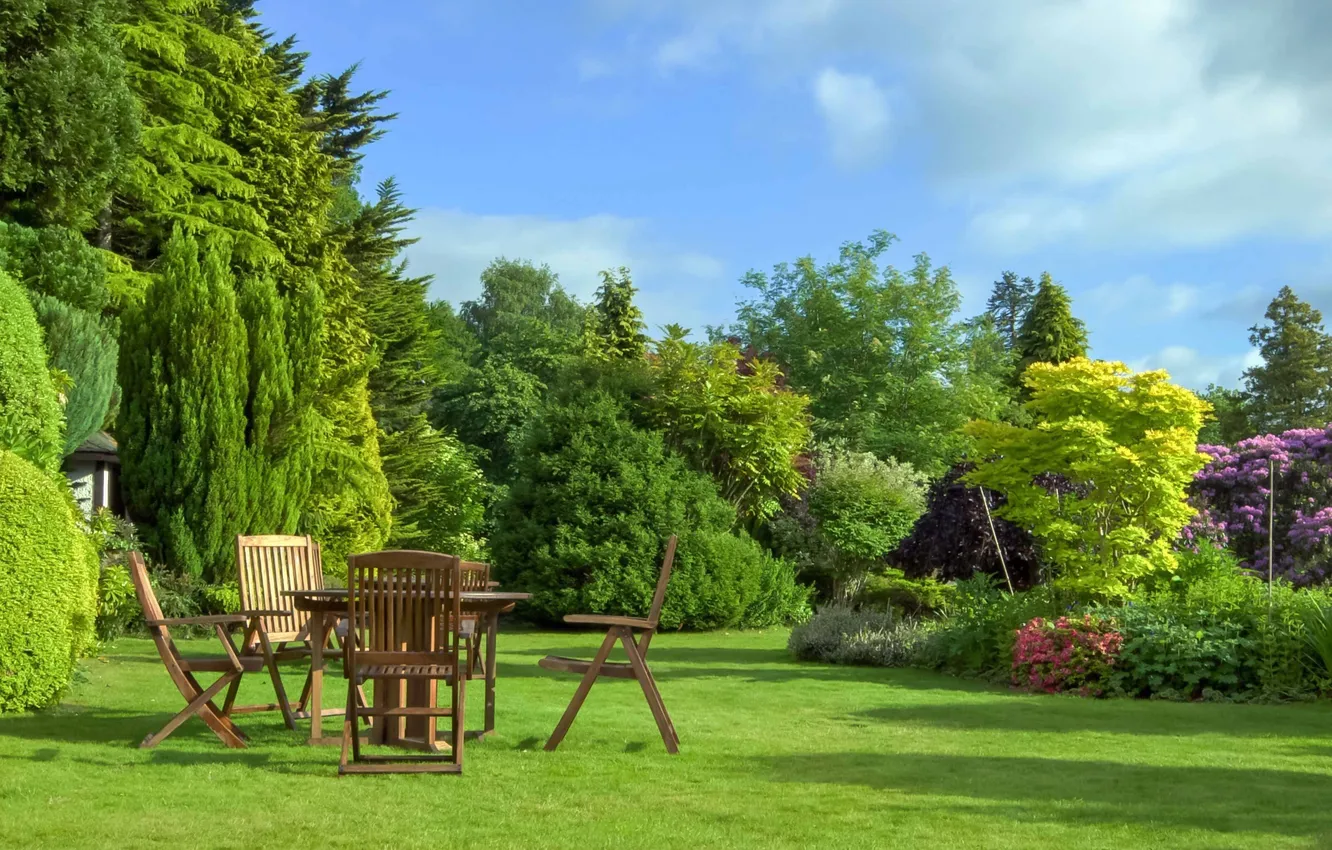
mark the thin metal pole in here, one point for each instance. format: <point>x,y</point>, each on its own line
<point>1271,512</point>
<point>985,500</point>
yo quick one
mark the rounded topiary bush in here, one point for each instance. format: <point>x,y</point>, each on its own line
<point>584,524</point>
<point>31,421</point>
<point>48,586</point>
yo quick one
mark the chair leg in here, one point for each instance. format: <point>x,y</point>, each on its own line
<point>650,692</point>
<point>199,705</point>
<point>349,729</point>
<point>223,721</point>
<point>583,687</point>
<point>270,661</point>
<point>459,727</point>
<point>230,701</point>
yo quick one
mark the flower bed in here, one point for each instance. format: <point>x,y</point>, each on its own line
<point>1066,655</point>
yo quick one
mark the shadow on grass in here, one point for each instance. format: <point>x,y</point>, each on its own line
<point>1046,714</point>
<point>1081,792</point>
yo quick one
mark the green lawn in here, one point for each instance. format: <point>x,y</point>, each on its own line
<point>774,754</point>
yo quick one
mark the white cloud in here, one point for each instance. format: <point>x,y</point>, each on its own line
<point>1192,369</point>
<point>855,111</point>
<point>593,68</point>
<point>1114,123</point>
<point>1146,299</point>
<point>676,285</point>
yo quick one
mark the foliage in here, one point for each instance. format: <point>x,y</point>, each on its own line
<point>1292,387</point>
<point>879,353</point>
<point>730,417</point>
<point>976,637</point>
<point>864,507</point>
<point>840,634</point>
<point>1229,422</point>
<point>67,118</point>
<point>1066,655</point>
<point>117,603</point>
<point>890,589</point>
<point>524,317</point>
<point>954,539</point>
<point>48,586</point>
<point>66,281</point>
<point>449,497</point>
<point>1233,491</point>
<point>31,421</point>
<point>1009,302</point>
<point>1050,332</point>
<point>489,409</point>
<point>592,504</point>
<point>1129,440</point>
<point>1317,617</point>
<point>183,422</point>
<point>615,324</point>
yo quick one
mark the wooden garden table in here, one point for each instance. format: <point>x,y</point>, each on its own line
<point>325,607</point>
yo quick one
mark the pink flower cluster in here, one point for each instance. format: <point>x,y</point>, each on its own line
<point>1066,655</point>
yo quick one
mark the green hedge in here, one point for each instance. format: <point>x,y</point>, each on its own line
<point>31,421</point>
<point>48,586</point>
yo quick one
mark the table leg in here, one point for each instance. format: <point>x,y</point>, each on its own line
<point>492,629</point>
<point>318,637</point>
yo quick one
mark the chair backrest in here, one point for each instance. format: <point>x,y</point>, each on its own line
<point>406,608</point>
<point>267,565</point>
<point>143,589</point>
<point>475,576</point>
<point>664,579</point>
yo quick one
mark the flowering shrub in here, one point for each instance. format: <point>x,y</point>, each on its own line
<point>1066,655</point>
<point>1231,495</point>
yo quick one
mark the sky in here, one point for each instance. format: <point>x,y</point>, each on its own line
<point>1168,161</point>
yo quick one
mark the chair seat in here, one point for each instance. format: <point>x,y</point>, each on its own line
<point>611,669</point>
<point>404,671</point>
<point>249,664</point>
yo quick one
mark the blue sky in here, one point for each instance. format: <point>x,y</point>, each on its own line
<point>1168,161</point>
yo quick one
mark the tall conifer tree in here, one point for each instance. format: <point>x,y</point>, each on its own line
<point>1050,332</point>
<point>1292,388</point>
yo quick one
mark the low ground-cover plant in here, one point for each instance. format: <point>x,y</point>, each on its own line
<point>842,634</point>
<point>1075,655</point>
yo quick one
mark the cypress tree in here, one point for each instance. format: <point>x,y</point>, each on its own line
<point>1292,388</point>
<point>1050,331</point>
<point>68,121</point>
<point>182,423</point>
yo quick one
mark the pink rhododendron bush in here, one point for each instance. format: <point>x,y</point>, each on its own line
<point>1066,655</point>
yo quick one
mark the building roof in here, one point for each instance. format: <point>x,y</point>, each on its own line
<point>100,446</point>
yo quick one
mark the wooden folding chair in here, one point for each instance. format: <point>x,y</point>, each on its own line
<point>405,623</point>
<point>621,629</point>
<point>198,699</point>
<point>266,566</point>
<point>475,577</point>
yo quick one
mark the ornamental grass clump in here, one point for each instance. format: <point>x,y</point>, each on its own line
<point>1066,655</point>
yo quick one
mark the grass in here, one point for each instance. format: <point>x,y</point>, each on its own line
<point>774,754</point>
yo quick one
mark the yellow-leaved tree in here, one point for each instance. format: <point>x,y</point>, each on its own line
<point>1100,476</point>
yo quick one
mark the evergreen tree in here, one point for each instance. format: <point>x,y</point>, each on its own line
<point>68,120</point>
<point>1050,332</point>
<point>615,322</point>
<point>182,423</point>
<point>1009,302</point>
<point>1292,388</point>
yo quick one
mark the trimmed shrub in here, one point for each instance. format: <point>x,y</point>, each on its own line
<point>595,498</point>
<point>31,421</point>
<point>48,586</point>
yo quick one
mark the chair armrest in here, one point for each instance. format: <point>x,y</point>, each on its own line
<point>603,620</point>
<point>492,584</point>
<point>266,612</point>
<point>212,620</point>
